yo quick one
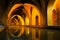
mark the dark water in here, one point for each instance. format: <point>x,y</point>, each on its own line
<point>40,34</point>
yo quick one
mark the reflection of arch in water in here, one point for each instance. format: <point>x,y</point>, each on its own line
<point>37,31</point>
<point>20,19</point>
<point>35,12</point>
<point>36,20</point>
<point>31,12</point>
<point>18,27</point>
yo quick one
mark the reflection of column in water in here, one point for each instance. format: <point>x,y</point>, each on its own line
<point>34,22</point>
<point>27,23</point>
<point>28,16</point>
<point>37,31</point>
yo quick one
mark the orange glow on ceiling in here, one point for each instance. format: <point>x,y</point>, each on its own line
<point>57,4</point>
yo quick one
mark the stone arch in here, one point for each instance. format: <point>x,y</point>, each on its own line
<point>18,27</point>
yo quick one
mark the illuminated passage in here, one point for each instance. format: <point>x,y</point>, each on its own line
<point>24,14</point>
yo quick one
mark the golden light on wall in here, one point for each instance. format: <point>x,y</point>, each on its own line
<point>53,11</point>
<point>49,13</point>
<point>57,4</point>
<point>28,15</point>
<point>32,13</point>
<point>27,23</point>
